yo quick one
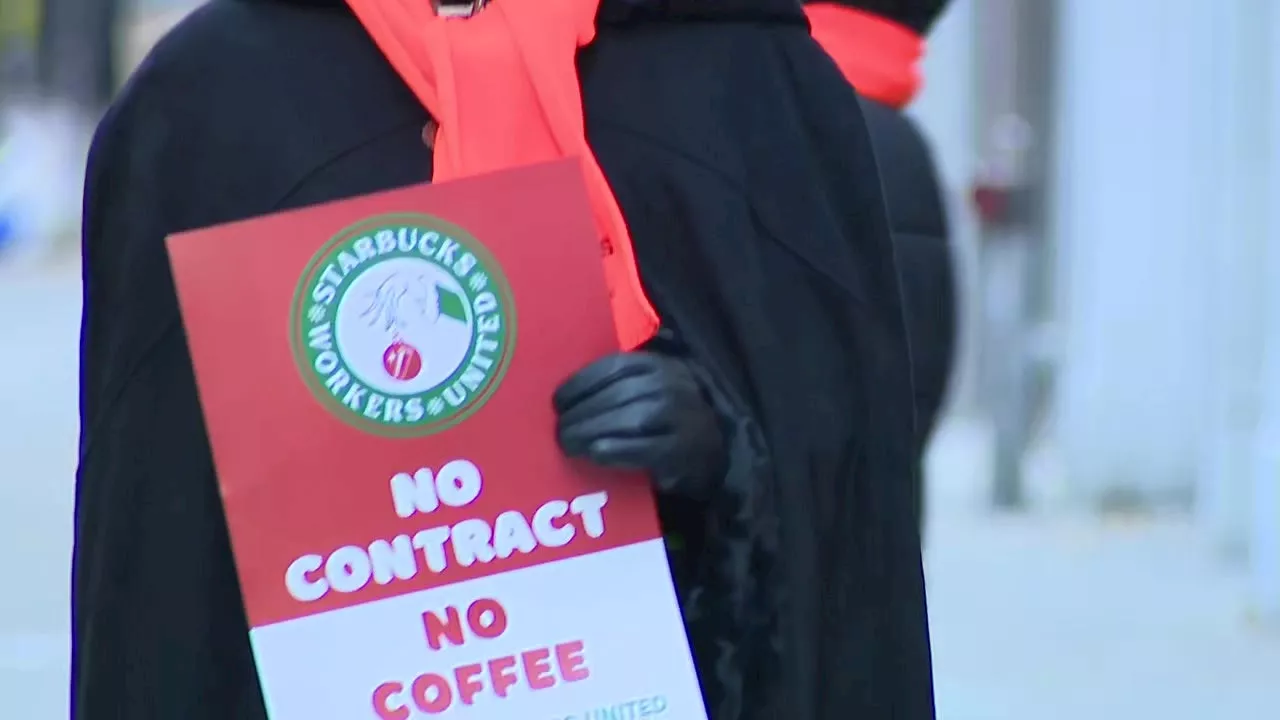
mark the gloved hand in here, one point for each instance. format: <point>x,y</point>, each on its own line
<point>642,411</point>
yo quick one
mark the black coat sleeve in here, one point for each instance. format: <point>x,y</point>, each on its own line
<point>742,163</point>
<point>158,627</point>
<point>229,117</point>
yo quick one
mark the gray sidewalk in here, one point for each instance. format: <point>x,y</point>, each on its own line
<point>39,315</point>
<point>1075,618</point>
<point>1033,618</point>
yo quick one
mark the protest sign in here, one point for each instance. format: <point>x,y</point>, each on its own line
<point>376,377</point>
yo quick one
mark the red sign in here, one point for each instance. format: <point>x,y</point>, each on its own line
<point>376,378</point>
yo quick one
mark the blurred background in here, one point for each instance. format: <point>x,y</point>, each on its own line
<point>1103,540</point>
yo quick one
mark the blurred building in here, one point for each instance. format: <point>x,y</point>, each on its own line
<point>1146,193</point>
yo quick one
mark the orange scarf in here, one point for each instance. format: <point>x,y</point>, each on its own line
<point>503,88</point>
<point>878,56</point>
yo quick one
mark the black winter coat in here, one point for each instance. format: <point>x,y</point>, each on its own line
<point>742,163</point>
<point>918,220</point>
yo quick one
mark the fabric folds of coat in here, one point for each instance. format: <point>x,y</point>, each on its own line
<point>741,160</point>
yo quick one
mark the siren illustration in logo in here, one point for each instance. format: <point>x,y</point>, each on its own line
<point>403,325</point>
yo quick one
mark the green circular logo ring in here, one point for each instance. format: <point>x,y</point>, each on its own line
<point>403,325</point>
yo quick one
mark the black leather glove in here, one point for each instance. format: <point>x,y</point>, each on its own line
<point>642,411</point>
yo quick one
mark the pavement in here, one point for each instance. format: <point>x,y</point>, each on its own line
<point>1070,616</point>
<point>39,316</point>
<point>1042,616</point>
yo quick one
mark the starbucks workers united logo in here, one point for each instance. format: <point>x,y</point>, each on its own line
<point>403,325</point>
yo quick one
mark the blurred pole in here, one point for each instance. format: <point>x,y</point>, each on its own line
<point>1265,540</point>
<point>1015,73</point>
<point>1236,226</point>
<point>77,58</point>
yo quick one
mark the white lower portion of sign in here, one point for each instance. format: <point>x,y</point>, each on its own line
<point>591,638</point>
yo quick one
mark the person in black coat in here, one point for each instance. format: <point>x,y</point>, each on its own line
<point>742,163</point>
<point>878,44</point>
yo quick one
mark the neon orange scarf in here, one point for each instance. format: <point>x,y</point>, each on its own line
<point>503,88</point>
<point>878,56</point>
